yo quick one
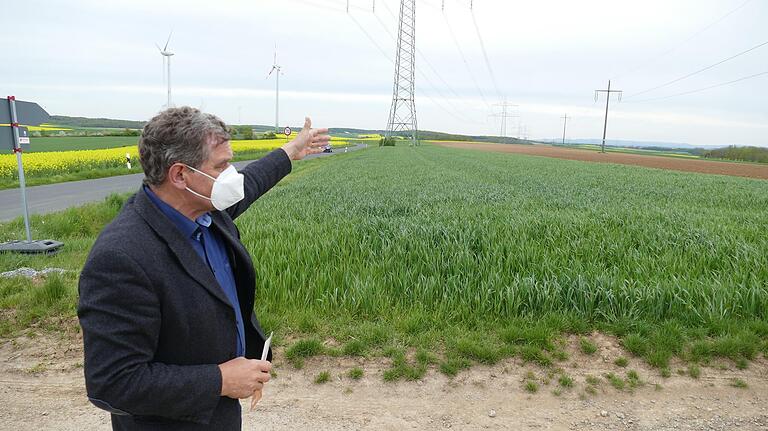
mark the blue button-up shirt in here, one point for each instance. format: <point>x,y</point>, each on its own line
<point>212,250</point>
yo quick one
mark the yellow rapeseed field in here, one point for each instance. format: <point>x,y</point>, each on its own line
<point>40,128</point>
<point>63,162</point>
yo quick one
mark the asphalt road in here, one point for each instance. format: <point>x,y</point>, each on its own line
<point>56,197</point>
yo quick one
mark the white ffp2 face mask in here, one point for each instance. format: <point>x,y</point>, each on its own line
<point>228,188</point>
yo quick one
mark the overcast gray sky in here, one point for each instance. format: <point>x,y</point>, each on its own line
<point>98,59</point>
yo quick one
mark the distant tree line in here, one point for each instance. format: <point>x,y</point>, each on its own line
<point>98,123</point>
<point>85,133</point>
<point>743,154</point>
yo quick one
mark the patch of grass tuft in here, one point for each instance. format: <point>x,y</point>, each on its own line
<point>323,377</point>
<point>354,348</point>
<point>616,381</point>
<point>451,367</point>
<point>425,358</point>
<point>478,350</point>
<point>694,371</point>
<point>565,381</point>
<point>739,383</point>
<point>587,347</point>
<point>303,349</point>
<point>522,334</point>
<point>636,344</point>
<point>592,380</point>
<point>742,364</point>
<point>534,354</point>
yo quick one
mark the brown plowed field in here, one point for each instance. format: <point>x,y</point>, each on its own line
<point>659,162</point>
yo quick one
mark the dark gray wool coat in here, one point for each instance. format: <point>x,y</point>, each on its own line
<point>156,323</point>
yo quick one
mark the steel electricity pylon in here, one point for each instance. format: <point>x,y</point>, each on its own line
<point>402,114</point>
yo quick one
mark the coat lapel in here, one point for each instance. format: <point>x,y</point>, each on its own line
<point>241,257</point>
<point>180,246</point>
<point>221,228</point>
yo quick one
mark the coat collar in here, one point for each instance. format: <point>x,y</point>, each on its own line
<point>180,246</point>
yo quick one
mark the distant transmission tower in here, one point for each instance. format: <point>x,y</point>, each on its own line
<point>505,114</point>
<point>402,114</point>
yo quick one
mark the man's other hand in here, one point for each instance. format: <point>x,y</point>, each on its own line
<point>308,141</point>
<point>241,377</point>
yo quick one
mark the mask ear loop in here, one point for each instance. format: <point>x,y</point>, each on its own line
<point>198,194</point>
<point>200,172</point>
<point>194,192</point>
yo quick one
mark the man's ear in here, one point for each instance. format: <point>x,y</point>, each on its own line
<point>176,176</point>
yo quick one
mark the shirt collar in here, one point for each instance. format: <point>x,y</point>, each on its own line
<point>186,226</point>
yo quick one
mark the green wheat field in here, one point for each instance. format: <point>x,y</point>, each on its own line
<point>447,257</point>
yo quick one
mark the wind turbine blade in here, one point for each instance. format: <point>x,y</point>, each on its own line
<point>159,49</point>
<point>270,72</point>
<point>168,41</point>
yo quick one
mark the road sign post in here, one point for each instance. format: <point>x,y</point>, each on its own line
<point>30,114</point>
<point>17,150</point>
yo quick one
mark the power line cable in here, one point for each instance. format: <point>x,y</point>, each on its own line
<point>675,47</point>
<point>320,5</point>
<point>421,54</point>
<point>431,67</point>
<point>384,26</point>
<point>429,82</point>
<point>383,52</point>
<point>485,55</point>
<point>699,71</point>
<point>427,3</point>
<point>701,89</point>
<point>466,63</point>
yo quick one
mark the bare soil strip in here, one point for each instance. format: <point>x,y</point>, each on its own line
<point>42,387</point>
<point>748,170</point>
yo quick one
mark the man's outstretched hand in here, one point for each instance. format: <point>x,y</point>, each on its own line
<point>308,141</point>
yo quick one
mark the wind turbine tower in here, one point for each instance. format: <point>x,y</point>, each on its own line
<point>166,66</point>
<point>276,68</point>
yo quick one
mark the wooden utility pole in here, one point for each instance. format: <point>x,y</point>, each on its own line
<point>565,121</point>
<point>607,100</point>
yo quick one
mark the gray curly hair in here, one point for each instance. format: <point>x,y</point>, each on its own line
<point>177,135</point>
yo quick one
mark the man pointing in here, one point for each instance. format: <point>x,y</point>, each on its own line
<point>167,292</point>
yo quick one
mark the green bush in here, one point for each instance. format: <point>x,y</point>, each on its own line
<point>387,142</point>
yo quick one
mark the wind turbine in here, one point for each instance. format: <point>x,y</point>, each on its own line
<point>166,66</point>
<point>278,68</point>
